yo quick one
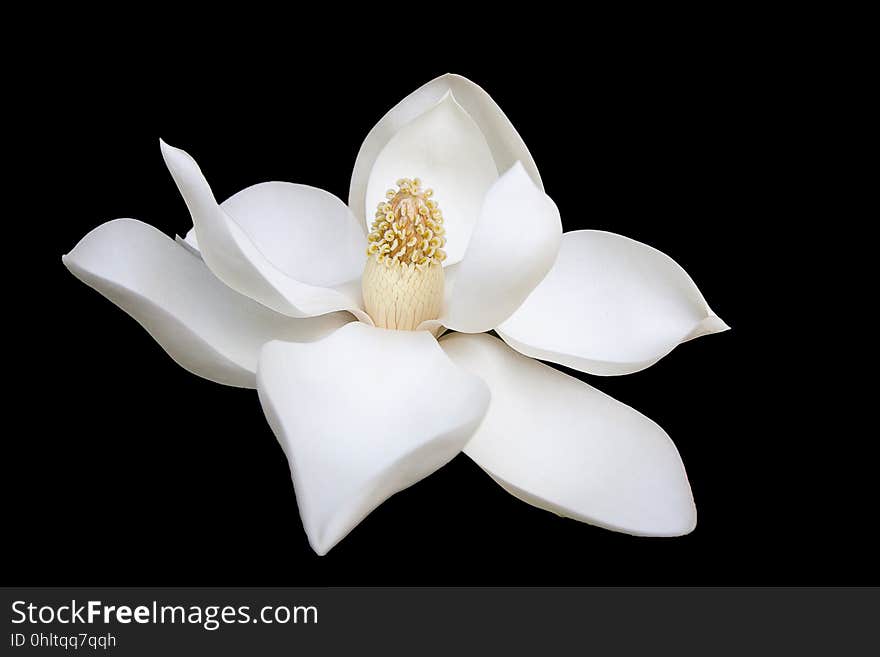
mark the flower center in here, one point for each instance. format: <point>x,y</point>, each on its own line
<point>408,228</point>
<point>403,277</point>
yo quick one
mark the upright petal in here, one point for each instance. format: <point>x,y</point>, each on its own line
<point>610,305</point>
<point>497,134</point>
<point>234,257</point>
<point>204,326</point>
<point>361,415</point>
<point>306,232</point>
<point>514,245</point>
<point>563,446</point>
<point>189,242</point>
<point>504,142</point>
<point>445,148</point>
<point>297,227</point>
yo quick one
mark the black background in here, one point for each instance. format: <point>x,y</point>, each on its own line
<point>124,469</point>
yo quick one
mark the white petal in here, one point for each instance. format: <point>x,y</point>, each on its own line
<point>361,415</point>
<point>236,260</point>
<point>610,305</point>
<point>190,243</point>
<point>504,142</point>
<point>307,233</point>
<point>445,148</point>
<point>204,326</point>
<point>561,445</point>
<point>513,247</point>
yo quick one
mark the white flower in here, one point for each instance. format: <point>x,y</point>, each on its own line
<point>266,293</point>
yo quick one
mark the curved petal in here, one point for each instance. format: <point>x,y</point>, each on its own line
<point>504,142</point>
<point>307,233</point>
<point>514,245</point>
<point>204,326</point>
<point>356,424</point>
<point>190,243</point>
<point>610,305</point>
<point>571,449</point>
<point>234,257</point>
<point>445,148</point>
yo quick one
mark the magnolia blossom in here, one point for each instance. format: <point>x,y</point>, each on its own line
<point>363,326</point>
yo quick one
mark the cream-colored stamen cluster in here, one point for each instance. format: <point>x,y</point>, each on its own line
<point>408,228</point>
<point>403,277</point>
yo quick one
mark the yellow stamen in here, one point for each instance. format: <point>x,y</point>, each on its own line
<point>408,212</point>
<point>403,278</point>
